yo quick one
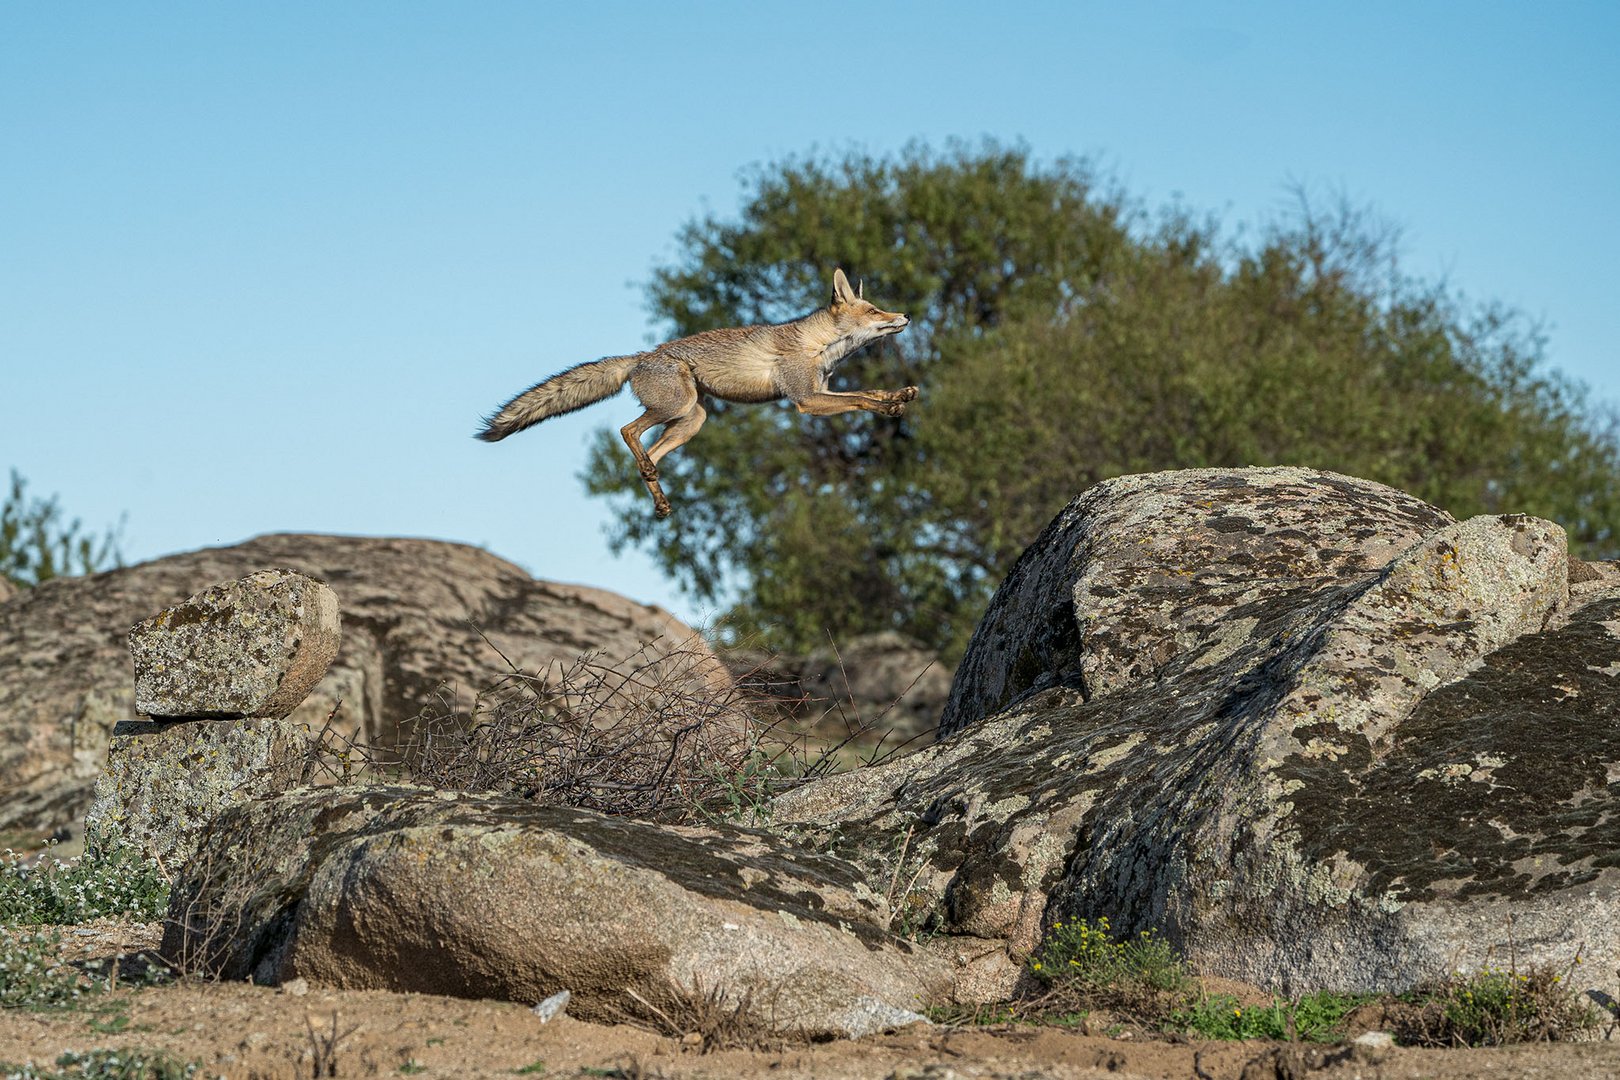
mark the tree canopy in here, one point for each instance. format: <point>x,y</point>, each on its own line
<point>1061,335</point>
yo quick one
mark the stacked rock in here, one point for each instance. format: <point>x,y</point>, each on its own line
<point>216,675</point>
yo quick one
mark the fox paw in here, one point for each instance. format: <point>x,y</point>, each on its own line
<point>894,408</point>
<point>661,508</point>
<point>649,473</point>
<point>909,393</point>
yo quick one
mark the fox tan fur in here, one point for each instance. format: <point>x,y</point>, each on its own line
<point>785,361</point>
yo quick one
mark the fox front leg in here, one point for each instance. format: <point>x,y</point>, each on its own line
<point>897,399</point>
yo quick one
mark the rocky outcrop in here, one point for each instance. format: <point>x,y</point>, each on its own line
<point>478,896</point>
<point>1315,731</point>
<point>218,673</point>
<point>7,589</point>
<point>415,617</point>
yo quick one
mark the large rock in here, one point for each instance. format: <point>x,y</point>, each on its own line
<point>415,617</point>
<point>476,896</point>
<point>255,646</point>
<point>1165,571</point>
<point>1338,772</point>
<point>7,589</point>
<point>166,780</point>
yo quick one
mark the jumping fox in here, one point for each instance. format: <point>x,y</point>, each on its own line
<point>749,364</point>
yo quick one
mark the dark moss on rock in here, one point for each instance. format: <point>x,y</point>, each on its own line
<point>1505,783</point>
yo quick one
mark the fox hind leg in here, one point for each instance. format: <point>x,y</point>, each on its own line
<point>677,432</point>
<point>631,433</point>
<point>669,395</point>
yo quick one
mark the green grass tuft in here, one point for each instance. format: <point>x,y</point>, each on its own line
<point>1317,1017</point>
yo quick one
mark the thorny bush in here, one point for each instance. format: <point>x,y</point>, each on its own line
<point>665,733</point>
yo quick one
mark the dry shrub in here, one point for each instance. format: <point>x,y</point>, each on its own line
<point>820,718</point>
<point>212,907</point>
<point>664,733</point>
<point>1497,1007</point>
<point>708,1019</point>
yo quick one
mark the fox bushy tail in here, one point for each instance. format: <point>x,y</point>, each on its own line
<point>579,386</point>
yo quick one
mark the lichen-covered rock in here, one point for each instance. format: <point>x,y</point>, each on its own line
<point>255,646</point>
<point>478,896</point>
<point>165,781</point>
<point>422,623</point>
<point>1352,781</point>
<point>1175,570</point>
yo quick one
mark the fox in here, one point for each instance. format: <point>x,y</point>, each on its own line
<point>789,361</point>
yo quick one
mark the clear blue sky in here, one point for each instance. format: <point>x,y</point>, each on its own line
<point>263,266</point>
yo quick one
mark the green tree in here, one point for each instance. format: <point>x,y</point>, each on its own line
<point>1311,349</point>
<point>814,514</point>
<point>1060,336</point>
<point>37,542</point>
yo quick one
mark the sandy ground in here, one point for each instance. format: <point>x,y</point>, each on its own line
<point>241,1031</point>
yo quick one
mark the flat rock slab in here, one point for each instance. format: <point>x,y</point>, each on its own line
<point>166,780</point>
<point>476,896</point>
<point>255,646</point>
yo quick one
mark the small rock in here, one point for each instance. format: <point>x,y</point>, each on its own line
<point>868,1016</point>
<point>299,987</point>
<point>933,1070</point>
<point>553,1007</point>
<point>1372,1047</point>
<point>255,646</point>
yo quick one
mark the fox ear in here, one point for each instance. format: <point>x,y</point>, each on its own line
<point>860,289</point>
<point>842,293</point>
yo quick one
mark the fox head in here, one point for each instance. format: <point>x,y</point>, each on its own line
<point>856,318</point>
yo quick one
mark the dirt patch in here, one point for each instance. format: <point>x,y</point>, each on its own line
<point>247,1032</point>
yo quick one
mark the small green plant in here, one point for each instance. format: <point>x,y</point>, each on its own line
<point>1496,1007</point>
<point>1317,1017</point>
<point>32,975</point>
<point>533,1068</point>
<point>115,1024</point>
<point>740,792</point>
<point>1084,952</point>
<point>106,1065</point>
<point>1084,966</point>
<point>412,1067</point>
<point>109,880</point>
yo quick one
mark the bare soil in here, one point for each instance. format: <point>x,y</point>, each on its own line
<point>242,1031</point>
